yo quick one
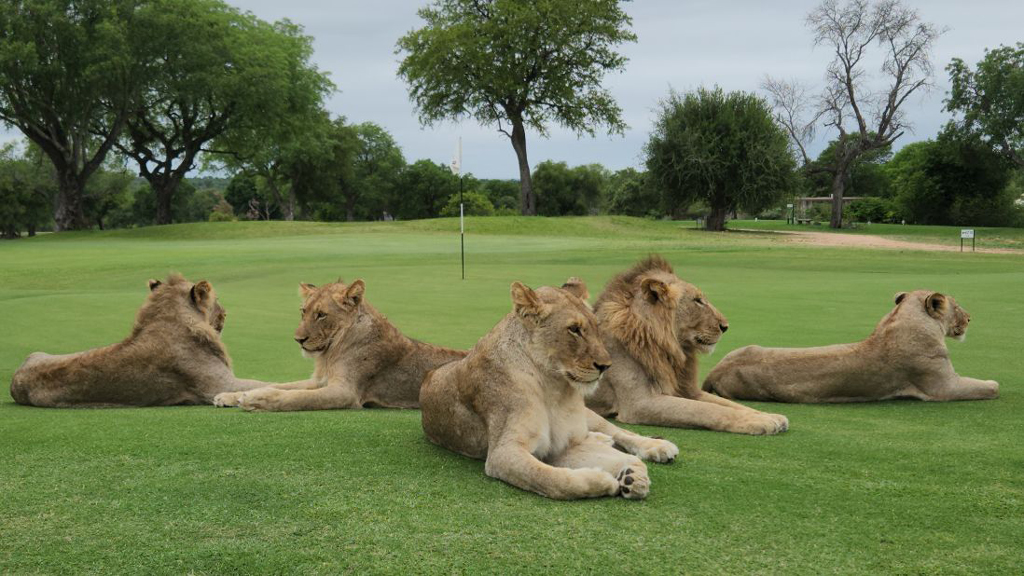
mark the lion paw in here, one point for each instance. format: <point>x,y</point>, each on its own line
<point>633,483</point>
<point>781,421</point>
<point>261,399</point>
<point>761,424</point>
<point>657,450</point>
<point>227,399</point>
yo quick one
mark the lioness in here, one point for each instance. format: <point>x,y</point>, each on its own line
<point>517,401</point>
<point>654,325</point>
<point>360,359</point>
<point>174,355</point>
<point>905,357</point>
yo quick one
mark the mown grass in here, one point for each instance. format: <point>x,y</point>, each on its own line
<point>895,487</point>
<point>985,236</point>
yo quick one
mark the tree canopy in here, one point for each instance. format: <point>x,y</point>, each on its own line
<point>722,148</point>
<point>517,65</point>
<point>70,73</point>
<point>990,99</point>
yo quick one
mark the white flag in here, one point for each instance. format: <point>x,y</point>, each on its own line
<point>456,165</point>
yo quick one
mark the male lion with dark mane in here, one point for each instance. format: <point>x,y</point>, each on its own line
<point>516,401</point>
<point>359,358</point>
<point>905,357</point>
<point>654,325</point>
<point>174,355</point>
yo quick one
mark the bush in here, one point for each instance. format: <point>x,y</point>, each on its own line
<point>476,204</point>
<point>872,210</point>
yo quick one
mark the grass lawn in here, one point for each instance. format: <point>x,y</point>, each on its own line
<point>894,487</point>
<point>986,237</point>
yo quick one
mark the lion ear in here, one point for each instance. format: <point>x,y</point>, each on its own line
<point>654,290</point>
<point>577,288</point>
<point>201,293</point>
<point>154,284</point>
<point>900,296</point>
<point>352,296</point>
<point>935,304</point>
<point>306,289</point>
<point>525,301</point>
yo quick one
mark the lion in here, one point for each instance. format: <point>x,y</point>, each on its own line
<point>174,355</point>
<point>655,325</point>
<point>516,401</point>
<point>360,358</point>
<point>905,357</point>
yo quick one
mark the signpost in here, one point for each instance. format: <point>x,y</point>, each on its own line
<point>791,218</point>
<point>966,233</point>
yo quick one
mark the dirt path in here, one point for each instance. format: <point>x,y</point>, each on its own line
<point>877,242</point>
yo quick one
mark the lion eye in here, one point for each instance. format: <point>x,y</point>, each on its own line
<point>699,301</point>
<point>320,315</point>
<point>575,329</point>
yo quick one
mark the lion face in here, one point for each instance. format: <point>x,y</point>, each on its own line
<point>564,338</point>
<point>696,322</point>
<point>943,308</point>
<point>327,312</point>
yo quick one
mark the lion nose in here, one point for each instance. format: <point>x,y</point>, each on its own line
<point>723,328</point>
<point>301,340</point>
<point>601,367</point>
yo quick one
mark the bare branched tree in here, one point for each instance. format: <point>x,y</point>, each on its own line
<point>866,113</point>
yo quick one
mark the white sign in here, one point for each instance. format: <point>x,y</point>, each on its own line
<point>967,233</point>
<point>789,205</point>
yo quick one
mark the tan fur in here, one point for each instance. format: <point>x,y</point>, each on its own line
<point>517,401</point>
<point>655,325</point>
<point>359,358</point>
<point>905,357</point>
<point>174,355</point>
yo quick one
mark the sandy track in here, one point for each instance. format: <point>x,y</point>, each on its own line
<point>878,242</point>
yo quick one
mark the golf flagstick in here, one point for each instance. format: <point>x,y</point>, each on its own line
<point>456,167</point>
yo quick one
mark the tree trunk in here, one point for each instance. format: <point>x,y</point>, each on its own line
<point>838,186</point>
<point>289,213</point>
<point>69,214</point>
<point>164,191</point>
<point>527,199</point>
<point>31,230</point>
<point>716,219</point>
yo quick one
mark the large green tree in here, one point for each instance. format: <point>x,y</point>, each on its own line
<point>26,192</point>
<point>724,149</point>
<point>218,69</point>
<point>70,74</point>
<point>564,191</point>
<point>990,99</point>
<point>864,117</point>
<point>518,65</point>
<point>952,180</point>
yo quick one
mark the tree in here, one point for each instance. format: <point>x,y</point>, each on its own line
<point>991,99</point>
<point>630,193</point>
<point>474,203</point>
<point>26,189</point>
<point>425,188</point>
<point>377,165</point>
<point>218,68</point>
<point>952,180</point>
<point>865,119</point>
<point>518,65</point>
<point>276,135</point>
<point>722,148</point>
<point>564,191</point>
<point>866,177</point>
<point>70,73</point>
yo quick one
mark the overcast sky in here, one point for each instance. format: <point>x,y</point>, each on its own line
<point>681,45</point>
